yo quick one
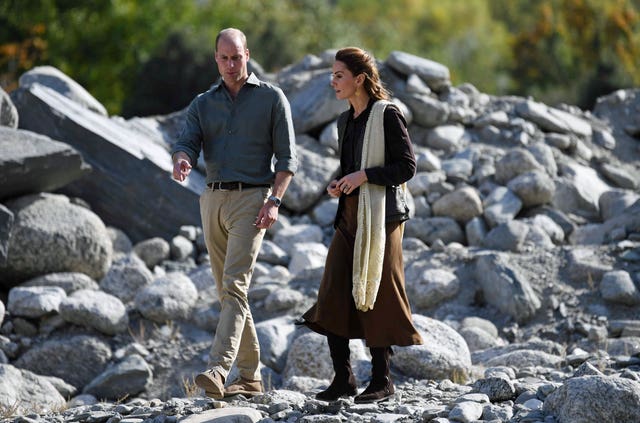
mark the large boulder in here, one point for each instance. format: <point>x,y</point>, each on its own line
<point>23,391</point>
<point>444,354</point>
<point>50,234</point>
<point>77,359</point>
<point>595,398</point>
<point>55,79</point>
<point>130,186</point>
<point>33,163</point>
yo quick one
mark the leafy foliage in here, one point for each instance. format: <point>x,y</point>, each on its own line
<point>150,57</point>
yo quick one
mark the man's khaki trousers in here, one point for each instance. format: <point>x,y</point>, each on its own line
<point>233,243</point>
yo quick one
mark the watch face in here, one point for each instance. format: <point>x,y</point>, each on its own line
<point>276,200</point>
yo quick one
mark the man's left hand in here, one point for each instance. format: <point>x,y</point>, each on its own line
<point>267,216</point>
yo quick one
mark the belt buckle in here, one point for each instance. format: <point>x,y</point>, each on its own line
<point>217,186</point>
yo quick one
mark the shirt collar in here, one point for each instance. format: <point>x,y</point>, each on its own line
<point>253,80</point>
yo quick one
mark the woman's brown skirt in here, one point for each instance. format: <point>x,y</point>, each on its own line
<point>389,322</point>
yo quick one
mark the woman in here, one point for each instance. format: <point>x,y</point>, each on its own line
<point>362,294</point>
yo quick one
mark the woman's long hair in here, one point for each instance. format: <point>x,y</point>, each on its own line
<point>359,61</point>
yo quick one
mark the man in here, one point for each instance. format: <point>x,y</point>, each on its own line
<point>240,124</point>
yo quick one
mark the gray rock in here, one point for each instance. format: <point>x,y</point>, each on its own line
<point>617,287</point>
<point>128,377</point>
<point>467,412</point>
<point>448,138</point>
<point>429,112</point>
<point>545,156</point>
<point>224,415</point>
<point>26,391</point>
<point>595,398</point>
<point>505,287</point>
<point>431,229</point>
<point>126,276</point>
<point>508,236</point>
<point>271,253</point>
<point>311,180</point>
<point>478,339</point>
<point>525,358</point>
<point>585,265</point>
<point>444,353</point>
<point>501,206</point>
<point>496,388</point>
<point>475,230</point>
<point>32,163</point>
<point>307,257</point>
<point>35,301</point>
<point>287,238</point>
<point>169,297</point>
<point>432,287</point>
<point>552,119</point>
<point>314,102</point>
<point>112,149</point>
<point>95,309</point>
<point>515,162</point>
<point>52,235</point>
<point>181,248</point>
<point>283,299</point>
<point>152,251</point>
<point>6,226</point>
<point>69,281</point>
<point>462,205</point>
<point>613,203</point>
<point>120,241</point>
<point>533,188</point>
<point>325,212</point>
<point>578,191</point>
<point>620,176</point>
<point>275,336</point>
<point>76,360</point>
<point>8,112</point>
<point>434,74</point>
<point>53,78</point>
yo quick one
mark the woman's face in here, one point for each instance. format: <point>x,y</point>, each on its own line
<point>343,82</point>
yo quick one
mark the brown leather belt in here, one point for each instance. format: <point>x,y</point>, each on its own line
<point>234,186</point>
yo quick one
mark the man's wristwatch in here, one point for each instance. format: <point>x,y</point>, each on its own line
<point>276,200</point>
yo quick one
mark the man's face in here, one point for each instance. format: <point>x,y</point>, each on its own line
<point>232,58</point>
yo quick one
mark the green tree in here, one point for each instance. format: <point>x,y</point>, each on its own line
<point>575,50</point>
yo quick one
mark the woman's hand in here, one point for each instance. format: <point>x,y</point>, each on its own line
<point>348,183</point>
<point>333,189</point>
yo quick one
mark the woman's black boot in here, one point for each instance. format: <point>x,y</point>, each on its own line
<point>344,383</point>
<point>381,387</point>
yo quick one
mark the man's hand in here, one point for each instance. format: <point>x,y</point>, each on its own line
<point>181,169</point>
<point>267,216</point>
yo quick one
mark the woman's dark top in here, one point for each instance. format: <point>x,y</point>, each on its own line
<point>399,159</point>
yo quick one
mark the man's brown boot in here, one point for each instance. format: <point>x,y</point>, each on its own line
<point>245,387</point>
<point>212,382</point>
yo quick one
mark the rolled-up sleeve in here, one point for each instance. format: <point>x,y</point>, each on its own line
<point>284,139</point>
<point>190,139</point>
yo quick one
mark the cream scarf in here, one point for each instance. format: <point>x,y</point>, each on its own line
<point>368,253</point>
